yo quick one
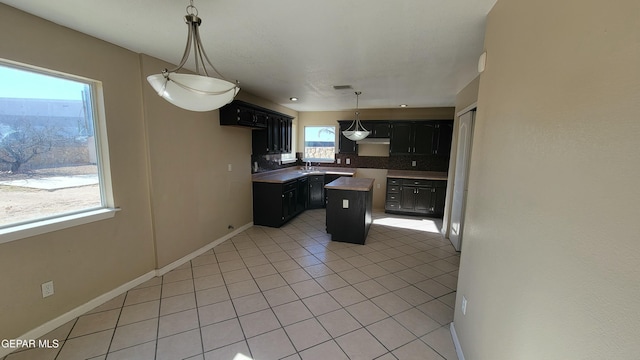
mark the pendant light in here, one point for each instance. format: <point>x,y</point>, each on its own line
<point>356,131</point>
<point>195,92</point>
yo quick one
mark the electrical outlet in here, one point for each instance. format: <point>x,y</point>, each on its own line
<point>345,203</point>
<point>413,163</point>
<point>338,160</point>
<point>378,185</point>
<point>463,305</point>
<point>47,289</point>
<point>348,161</point>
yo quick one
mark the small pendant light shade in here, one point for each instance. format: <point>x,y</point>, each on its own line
<point>356,130</point>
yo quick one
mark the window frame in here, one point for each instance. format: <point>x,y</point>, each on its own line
<point>335,145</point>
<point>107,208</point>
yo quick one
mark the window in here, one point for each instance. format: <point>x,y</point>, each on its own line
<point>319,143</point>
<point>52,149</point>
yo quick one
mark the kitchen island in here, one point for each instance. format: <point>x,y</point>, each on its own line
<point>349,207</point>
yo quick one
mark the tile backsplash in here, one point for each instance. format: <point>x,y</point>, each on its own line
<point>393,162</point>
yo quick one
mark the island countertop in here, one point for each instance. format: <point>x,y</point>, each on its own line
<point>421,175</point>
<point>351,183</point>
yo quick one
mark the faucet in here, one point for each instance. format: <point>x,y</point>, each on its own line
<point>308,167</point>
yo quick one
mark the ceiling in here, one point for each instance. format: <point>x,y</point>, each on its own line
<point>414,52</point>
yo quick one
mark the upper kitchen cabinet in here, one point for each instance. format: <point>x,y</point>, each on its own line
<point>442,140</point>
<point>276,139</point>
<point>421,138</point>
<point>378,129</point>
<point>346,146</point>
<point>240,113</point>
<point>272,130</point>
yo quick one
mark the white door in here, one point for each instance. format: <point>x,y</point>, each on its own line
<point>463,155</point>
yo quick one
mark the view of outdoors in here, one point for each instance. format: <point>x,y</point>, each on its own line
<point>319,143</point>
<point>48,160</point>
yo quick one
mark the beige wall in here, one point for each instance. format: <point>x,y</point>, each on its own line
<point>169,173</point>
<point>194,196</point>
<point>550,260</point>
<point>89,260</point>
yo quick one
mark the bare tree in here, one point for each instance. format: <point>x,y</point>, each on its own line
<point>24,142</point>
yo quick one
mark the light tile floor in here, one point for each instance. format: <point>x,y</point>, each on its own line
<point>288,293</point>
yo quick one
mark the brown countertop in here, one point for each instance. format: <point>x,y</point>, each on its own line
<point>288,174</point>
<point>423,175</point>
<point>351,183</point>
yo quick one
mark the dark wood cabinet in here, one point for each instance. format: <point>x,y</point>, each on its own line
<point>431,138</point>
<point>416,196</point>
<point>276,139</point>
<point>378,129</point>
<point>316,192</point>
<point>302,195</point>
<point>401,141</point>
<point>240,113</point>
<point>274,204</point>
<point>346,146</point>
<point>442,139</point>
<point>272,130</point>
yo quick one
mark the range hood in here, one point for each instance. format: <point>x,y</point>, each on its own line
<point>382,141</point>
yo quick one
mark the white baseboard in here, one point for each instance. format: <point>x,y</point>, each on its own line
<point>202,250</point>
<point>82,309</point>
<point>456,342</point>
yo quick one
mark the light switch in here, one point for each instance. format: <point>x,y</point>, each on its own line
<point>338,160</point>
<point>348,161</point>
<point>229,167</point>
<point>413,163</point>
<point>345,203</point>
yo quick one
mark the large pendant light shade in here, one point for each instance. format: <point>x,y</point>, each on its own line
<point>356,130</point>
<point>195,92</point>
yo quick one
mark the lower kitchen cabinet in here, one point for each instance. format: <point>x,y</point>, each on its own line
<point>275,203</point>
<point>416,196</point>
<point>316,191</point>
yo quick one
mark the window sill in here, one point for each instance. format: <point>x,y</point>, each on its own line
<point>22,231</point>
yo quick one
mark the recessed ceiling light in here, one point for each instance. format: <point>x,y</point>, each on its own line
<point>293,98</point>
<point>403,105</point>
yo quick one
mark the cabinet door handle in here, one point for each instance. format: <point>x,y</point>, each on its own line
<point>433,189</point>
<point>283,196</point>
<point>409,149</point>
